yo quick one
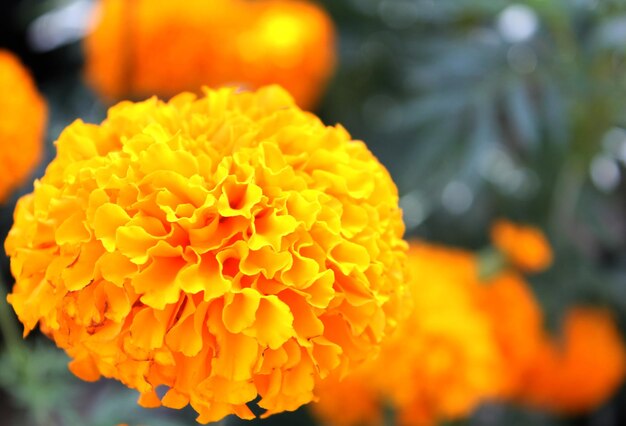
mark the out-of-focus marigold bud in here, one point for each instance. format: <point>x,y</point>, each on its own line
<point>524,246</point>
<point>441,362</point>
<point>138,50</point>
<point>22,124</point>
<point>580,372</point>
<point>226,247</point>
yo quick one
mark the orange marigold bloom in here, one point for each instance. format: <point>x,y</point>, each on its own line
<point>525,246</point>
<point>22,124</point>
<point>350,401</point>
<point>138,50</point>
<point>225,247</point>
<point>517,324</point>
<point>441,362</point>
<point>583,370</point>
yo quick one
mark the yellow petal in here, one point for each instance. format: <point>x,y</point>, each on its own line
<point>240,310</point>
<point>305,322</point>
<point>237,368</point>
<point>149,400</point>
<point>348,256</point>
<point>82,271</point>
<point>186,335</point>
<point>85,369</point>
<point>146,331</point>
<point>237,199</point>
<point>205,276</point>
<point>73,230</point>
<point>157,283</point>
<point>107,219</point>
<point>175,399</point>
<point>265,261</point>
<point>134,242</point>
<point>274,323</point>
<point>269,229</point>
<point>116,268</point>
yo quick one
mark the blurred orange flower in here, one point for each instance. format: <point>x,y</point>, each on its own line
<point>470,340</point>
<point>439,364</point>
<point>574,376</point>
<point>225,247</point>
<point>517,325</point>
<point>22,124</point>
<point>582,371</point>
<point>138,50</point>
<point>350,401</point>
<point>524,246</point>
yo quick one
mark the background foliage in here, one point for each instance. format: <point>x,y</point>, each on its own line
<point>479,108</point>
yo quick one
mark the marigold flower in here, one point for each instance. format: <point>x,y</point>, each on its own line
<point>22,124</point>
<point>525,246</point>
<point>439,364</point>
<point>224,247</point>
<point>544,373</point>
<point>350,401</point>
<point>517,325</point>
<point>139,50</point>
<point>583,370</point>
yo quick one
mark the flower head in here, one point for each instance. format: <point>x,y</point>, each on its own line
<point>22,124</point>
<point>546,372</point>
<point>225,247</point>
<point>441,362</point>
<point>138,50</point>
<point>581,371</point>
<point>525,246</point>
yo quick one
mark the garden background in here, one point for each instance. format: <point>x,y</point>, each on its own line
<point>480,110</point>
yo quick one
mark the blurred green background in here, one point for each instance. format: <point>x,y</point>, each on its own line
<point>479,108</point>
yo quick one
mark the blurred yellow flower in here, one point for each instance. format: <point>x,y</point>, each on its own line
<point>22,124</point>
<point>225,247</point>
<point>138,50</point>
<point>581,371</point>
<point>439,364</point>
<point>524,246</point>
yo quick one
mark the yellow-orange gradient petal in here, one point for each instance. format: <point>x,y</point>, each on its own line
<point>441,362</point>
<point>137,50</point>
<point>196,244</point>
<point>524,246</point>
<point>582,370</point>
<point>22,124</point>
